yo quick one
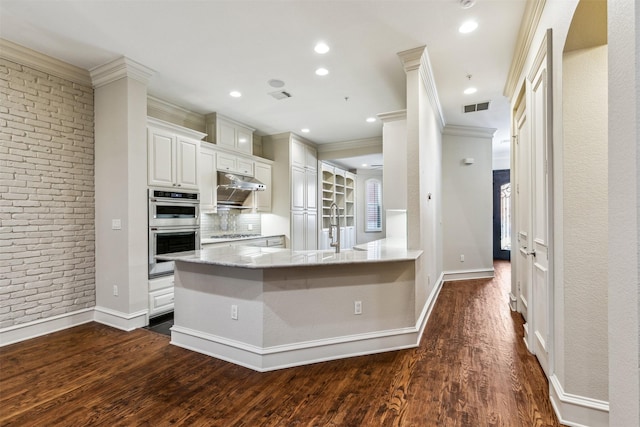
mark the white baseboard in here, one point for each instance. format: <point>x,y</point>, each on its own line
<point>577,411</point>
<point>513,302</point>
<point>305,353</point>
<point>483,273</point>
<point>25,331</point>
<point>124,321</point>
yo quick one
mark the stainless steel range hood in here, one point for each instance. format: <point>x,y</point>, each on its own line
<point>234,190</point>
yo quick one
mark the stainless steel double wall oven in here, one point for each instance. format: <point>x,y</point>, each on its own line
<point>174,226</point>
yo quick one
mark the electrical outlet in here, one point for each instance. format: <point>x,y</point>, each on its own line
<point>250,227</point>
<point>115,290</point>
<point>357,307</point>
<point>461,258</point>
<point>234,312</point>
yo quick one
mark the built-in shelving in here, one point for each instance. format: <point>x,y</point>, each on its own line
<point>338,186</point>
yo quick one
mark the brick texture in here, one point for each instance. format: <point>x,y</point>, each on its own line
<point>47,244</point>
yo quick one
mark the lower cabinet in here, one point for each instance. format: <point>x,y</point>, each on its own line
<point>304,226</point>
<point>160,296</point>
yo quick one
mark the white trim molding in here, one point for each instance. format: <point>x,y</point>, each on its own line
<point>37,328</point>
<point>577,411</point>
<point>528,26</point>
<point>123,321</point>
<point>308,352</point>
<point>393,116</point>
<point>39,61</point>
<point>482,273</point>
<point>469,131</point>
<point>164,110</point>
<point>118,69</point>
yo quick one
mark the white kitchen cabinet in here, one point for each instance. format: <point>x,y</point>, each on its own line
<point>303,155</point>
<point>304,230</point>
<point>161,295</point>
<point>296,187</point>
<point>262,172</point>
<point>229,134</point>
<point>208,179</point>
<point>229,162</point>
<point>172,155</point>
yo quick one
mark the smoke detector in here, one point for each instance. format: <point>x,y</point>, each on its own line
<point>466,4</point>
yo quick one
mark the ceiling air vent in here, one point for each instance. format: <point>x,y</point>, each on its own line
<point>481,106</point>
<point>280,94</point>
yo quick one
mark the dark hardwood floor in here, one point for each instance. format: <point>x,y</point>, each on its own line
<point>471,369</point>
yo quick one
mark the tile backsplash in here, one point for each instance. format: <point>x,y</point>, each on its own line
<point>225,222</point>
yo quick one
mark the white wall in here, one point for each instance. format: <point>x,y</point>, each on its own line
<point>585,221</point>
<point>624,212</point>
<point>467,200</point>
<point>394,153</point>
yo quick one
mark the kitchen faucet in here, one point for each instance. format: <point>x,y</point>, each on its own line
<point>336,243</point>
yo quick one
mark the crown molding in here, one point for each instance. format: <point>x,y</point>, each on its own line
<point>411,58</point>
<point>469,131</point>
<point>160,109</point>
<point>528,26</point>
<point>426,73</point>
<point>356,144</point>
<point>393,116</point>
<point>118,69</point>
<point>41,62</point>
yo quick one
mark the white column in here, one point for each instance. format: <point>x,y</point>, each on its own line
<point>121,182</point>
<point>624,212</point>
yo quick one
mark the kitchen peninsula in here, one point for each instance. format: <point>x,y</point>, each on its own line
<point>270,308</point>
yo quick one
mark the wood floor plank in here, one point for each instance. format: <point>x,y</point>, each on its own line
<point>471,369</point>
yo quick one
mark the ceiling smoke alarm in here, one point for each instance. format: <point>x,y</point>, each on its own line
<point>466,4</point>
<point>276,83</point>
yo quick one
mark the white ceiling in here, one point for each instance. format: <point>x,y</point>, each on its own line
<point>201,50</point>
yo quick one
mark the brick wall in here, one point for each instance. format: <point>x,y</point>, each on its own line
<point>46,195</point>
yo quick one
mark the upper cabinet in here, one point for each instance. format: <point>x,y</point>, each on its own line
<point>295,170</point>
<point>230,163</point>
<point>229,134</point>
<point>263,198</point>
<point>172,155</point>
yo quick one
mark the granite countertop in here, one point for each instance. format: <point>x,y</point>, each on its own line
<point>223,238</point>
<point>261,257</point>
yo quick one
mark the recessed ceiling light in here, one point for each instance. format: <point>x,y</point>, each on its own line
<point>305,130</point>
<point>470,90</point>
<point>364,165</point>
<point>322,71</point>
<point>371,119</point>
<point>321,48</point>
<point>468,27</point>
<point>235,94</point>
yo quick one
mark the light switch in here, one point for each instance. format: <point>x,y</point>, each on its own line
<point>116,224</point>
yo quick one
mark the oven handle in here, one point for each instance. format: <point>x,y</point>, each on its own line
<point>176,230</point>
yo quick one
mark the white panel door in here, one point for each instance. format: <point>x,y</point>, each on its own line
<point>187,163</point>
<point>298,230</point>
<point>531,262</point>
<point>523,212</point>
<point>311,189</point>
<point>298,190</point>
<point>161,167</point>
<point>541,293</point>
